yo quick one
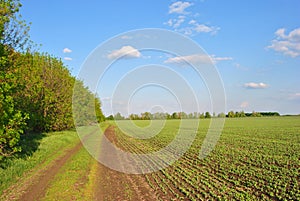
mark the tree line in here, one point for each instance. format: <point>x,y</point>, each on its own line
<point>183,115</point>
<point>36,89</point>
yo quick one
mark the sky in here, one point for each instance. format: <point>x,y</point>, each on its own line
<point>254,46</point>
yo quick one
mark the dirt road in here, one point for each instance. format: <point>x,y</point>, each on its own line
<point>109,184</point>
<point>114,185</point>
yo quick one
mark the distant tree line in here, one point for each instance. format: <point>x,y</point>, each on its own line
<point>233,114</point>
<point>194,115</point>
<point>36,89</point>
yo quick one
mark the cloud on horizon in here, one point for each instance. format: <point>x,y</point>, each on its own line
<point>294,96</point>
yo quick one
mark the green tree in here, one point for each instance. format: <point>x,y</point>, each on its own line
<point>182,115</point>
<point>221,115</point>
<point>255,114</point>
<point>132,117</point>
<point>190,116</point>
<point>46,90</point>
<point>84,112</point>
<point>146,116</point>
<point>174,115</point>
<point>242,114</point>
<point>231,114</point>
<point>110,117</point>
<point>168,116</point>
<point>118,116</point>
<point>13,35</point>
<point>207,115</point>
<point>36,90</point>
<point>99,115</point>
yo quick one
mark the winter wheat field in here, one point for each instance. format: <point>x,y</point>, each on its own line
<point>254,159</point>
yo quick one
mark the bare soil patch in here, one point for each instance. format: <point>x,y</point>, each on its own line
<point>114,185</point>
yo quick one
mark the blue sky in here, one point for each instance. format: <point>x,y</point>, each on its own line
<point>255,46</point>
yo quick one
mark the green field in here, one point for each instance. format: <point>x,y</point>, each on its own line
<point>254,159</point>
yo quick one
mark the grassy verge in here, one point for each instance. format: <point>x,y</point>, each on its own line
<point>76,180</point>
<point>39,151</point>
<point>49,148</point>
<point>70,182</point>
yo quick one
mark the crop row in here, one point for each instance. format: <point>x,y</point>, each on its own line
<point>238,168</point>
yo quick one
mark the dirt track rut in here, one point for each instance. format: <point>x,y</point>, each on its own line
<point>114,185</point>
<point>38,188</point>
<point>110,184</point>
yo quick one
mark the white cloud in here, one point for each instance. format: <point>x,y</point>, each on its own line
<point>68,59</point>
<point>189,59</point>
<point>184,23</point>
<point>179,21</point>
<point>244,104</point>
<point>280,33</point>
<point>195,27</point>
<point>288,44</point>
<point>179,7</point>
<point>202,28</point>
<point>192,22</point>
<point>125,51</point>
<point>169,23</point>
<point>195,59</point>
<point>67,50</point>
<point>175,23</point>
<point>253,85</point>
<point>216,59</point>
<point>294,96</point>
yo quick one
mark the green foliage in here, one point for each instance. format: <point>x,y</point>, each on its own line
<point>13,30</point>
<point>202,116</point>
<point>270,114</point>
<point>86,107</point>
<point>110,117</point>
<point>222,115</point>
<point>231,114</point>
<point>36,89</point>
<point>12,125</point>
<point>146,116</point>
<point>12,120</point>
<point>8,8</point>
<point>194,115</point>
<point>47,148</point>
<point>45,92</point>
<point>207,115</point>
<point>255,114</point>
<point>118,116</point>
<point>174,115</point>
<point>99,115</point>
